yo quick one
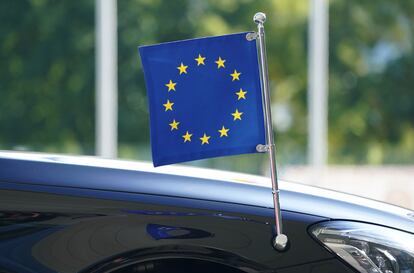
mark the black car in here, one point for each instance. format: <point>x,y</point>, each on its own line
<point>85,214</point>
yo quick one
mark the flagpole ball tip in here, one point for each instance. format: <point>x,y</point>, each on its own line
<point>280,242</point>
<point>259,18</point>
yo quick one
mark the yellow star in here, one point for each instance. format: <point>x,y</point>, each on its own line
<point>223,131</point>
<point>220,63</point>
<point>235,75</point>
<point>187,137</point>
<point>200,60</point>
<point>171,85</point>
<point>174,125</point>
<point>241,94</point>
<point>182,68</point>
<point>204,139</point>
<point>168,105</point>
<point>237,115</point>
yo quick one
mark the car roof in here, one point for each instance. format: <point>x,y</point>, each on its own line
<point>191,182</point>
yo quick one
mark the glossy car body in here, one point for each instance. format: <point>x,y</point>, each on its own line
<point>84,214</point>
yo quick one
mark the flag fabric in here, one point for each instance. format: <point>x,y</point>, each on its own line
<point>204,98</point>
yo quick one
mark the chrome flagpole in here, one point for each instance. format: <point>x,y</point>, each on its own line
<point>280,241</point>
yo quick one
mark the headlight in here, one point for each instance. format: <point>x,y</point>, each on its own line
<point>368,248</point>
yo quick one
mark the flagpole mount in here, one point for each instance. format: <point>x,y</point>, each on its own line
<point>280,242</point>
<point>262,148</point>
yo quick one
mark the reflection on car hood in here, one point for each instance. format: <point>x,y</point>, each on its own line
<point>190,182</point>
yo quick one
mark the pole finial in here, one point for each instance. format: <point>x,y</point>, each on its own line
<point>259,18</point>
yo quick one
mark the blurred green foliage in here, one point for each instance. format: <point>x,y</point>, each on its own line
<point>47,74</point>
<point>371,95</point>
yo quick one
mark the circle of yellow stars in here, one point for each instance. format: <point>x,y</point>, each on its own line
<point>168,105</point>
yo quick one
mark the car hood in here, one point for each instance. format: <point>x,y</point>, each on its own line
<point>197,183</point>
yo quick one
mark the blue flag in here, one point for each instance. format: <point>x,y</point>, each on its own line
<point>204,98</point>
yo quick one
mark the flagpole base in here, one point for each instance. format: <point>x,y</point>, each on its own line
<point>280,242</point>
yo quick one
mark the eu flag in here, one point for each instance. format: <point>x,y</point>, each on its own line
<point>204,98</point>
